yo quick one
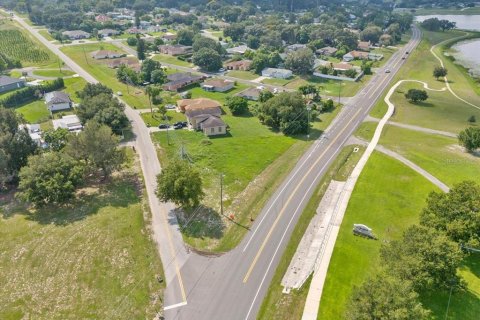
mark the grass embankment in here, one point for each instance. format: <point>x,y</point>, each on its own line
<point>383,200</point>
<point>46,35</point>
<point>17,44</point>
<point>277,305</point>
<point>99,69</point>
<point>441,111</point>
<point>253,159</point>
<point>54,73</point>
<point>171,60</point>
<point>92,258</point>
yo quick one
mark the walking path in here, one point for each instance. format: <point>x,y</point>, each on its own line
<point>312,303</point>
<point>445,78</point>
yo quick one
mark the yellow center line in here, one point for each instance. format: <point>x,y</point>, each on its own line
<point>247,275</point>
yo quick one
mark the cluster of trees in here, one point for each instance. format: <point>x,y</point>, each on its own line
<point>207,53</point>
<point>27,94</point>
<point>300,61</point>
<point>435,24</point>
<point>151,72</point>
<point>237,105</point>
<point>470,138</point>
<point>424,260</point>
<point>8,63</point>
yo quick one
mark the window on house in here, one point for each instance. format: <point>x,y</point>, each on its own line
<point>219,129</point>
<point>212,130</point>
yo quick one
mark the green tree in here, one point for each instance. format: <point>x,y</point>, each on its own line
<point>300,61</point>
<point>309,91</point>
<point>132,41</point>
<point>439,72</point>
<point>150,66</point>
<point>185,37</point>
<point>265,95</point>
<point>56,139</point>
<point>351,73</point>
<point>104,109</point>
<point>470,138</point>
<point>15,147</point>
<point>96,146</point>
<point>285,112</point>
<point>424,256</point>
<point>456,213</point>
<point>152,93</point>
<point>180,183</point>
<point>203,42</point>
<point>207,59</point>
<point>235,31</point>
<point>141,49</point>
<point>416,95</point>
<point>237,105</point>
<point>472,119</point>
<point>387,298</point>
<point>371,33</point>
<point>91,90</point>
<point>49,178</point>
<point>158,77</point>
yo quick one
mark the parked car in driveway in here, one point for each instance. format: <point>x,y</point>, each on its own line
<point>177,126</point>
<point>163,126</point>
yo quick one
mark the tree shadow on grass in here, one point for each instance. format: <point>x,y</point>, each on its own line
<point>423,104</point>
<point>464,304</point>
<point>119,192</point>
<point>203,222</point>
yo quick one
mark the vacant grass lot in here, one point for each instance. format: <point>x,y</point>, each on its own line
<point>253,160</point>
<point>92,258</point>
<point>46,35</point>
<point>171,60</point>
<point>383,200</point>
<point>331,87</point>
<point>135,97</point>
<point>53,73</point>
<point>245,75</point>
<point>198,92</point>
<point>277,305</point>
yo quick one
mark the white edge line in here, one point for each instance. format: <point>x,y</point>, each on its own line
<point>177,305</point>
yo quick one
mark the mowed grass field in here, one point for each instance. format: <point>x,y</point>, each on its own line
<point>383,200</point>
<point>99,69</point>
<point>91,259</point>
<point>53,73</point>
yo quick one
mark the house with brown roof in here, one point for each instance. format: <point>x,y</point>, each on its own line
<point>352,55</point>
<point>106,54</point>
<point>102,18</point>
<point>203,114</point>
<point>342,66</point>
<point>217,85</point>
<point>108,32</point>
<point>174,50</point>
<point>252,93</point>
<point>200,103</point>
<point>180,80</point>
<point>169,37</point>
<point>364,45</point>
<point>243,65</point>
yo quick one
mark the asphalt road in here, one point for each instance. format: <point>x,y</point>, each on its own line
<point>233,286</point>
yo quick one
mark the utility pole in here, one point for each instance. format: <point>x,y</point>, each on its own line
<point>339,90</point>
<point>309,108</point>
<point>449,299</point>
<point>221,194</point>
<point>85,54</point>
<point>168,137</point>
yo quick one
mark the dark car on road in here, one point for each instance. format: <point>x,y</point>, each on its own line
<point>177,126</point>
<point>163,126</point>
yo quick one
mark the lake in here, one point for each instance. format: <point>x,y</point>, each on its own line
<point>465,52</point>
<point>463,21</point>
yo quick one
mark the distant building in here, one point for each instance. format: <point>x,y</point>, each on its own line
<point>277,73</point>
<point>327,51</point>
<point>167,37</point>
<point>364,45</point>
<point>76,34</point>
<point>106,54</point>
<point>211,125</point>
<point>57,100</point>
<point>243,65</point>
<point>9,83</point>
<point>238,50</point>
<point>70,122</point>
<point>34,132</point>
<point>352,55</point>
<point>108,32</point>
<point>218,85</point>
<point>134,31</point>
<point>102,18</point>
<point>251,93</point>
<point>180,80</point>
<point>342,66</point>
<point>295,47</point>
<point>174,50</point>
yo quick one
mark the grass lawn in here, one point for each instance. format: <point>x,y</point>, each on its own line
<point>277,305</point>
<point>279,82</point>
<point>135,97</point>
<point>245,75</point>
<point>383,200</point>
<point>34,112</point>
<point>171,60</point>
<point>439,155</point>
<point>251,152</point>
<point>198,92</point>
<point>46,35</point>
<point>153,120</point>
<point>92,258</point>
<point>53,73</point>
<point>331,87</point>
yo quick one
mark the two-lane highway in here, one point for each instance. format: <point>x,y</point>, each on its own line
<point>234,285</point>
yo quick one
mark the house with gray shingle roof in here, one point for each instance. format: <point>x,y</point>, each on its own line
<point>9,83</point>
<point>57,100</point>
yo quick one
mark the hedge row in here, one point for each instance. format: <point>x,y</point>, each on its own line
<point>28,94</point>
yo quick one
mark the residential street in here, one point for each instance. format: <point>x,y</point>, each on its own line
<point>233,285</point>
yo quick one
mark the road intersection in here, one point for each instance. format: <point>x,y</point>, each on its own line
<point>232,286</point>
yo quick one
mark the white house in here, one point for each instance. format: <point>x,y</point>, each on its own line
<point>57,100</point>
<point>238,50</point>
<point>34,132</point>
<point>70,122</point>
<point>277,73</point>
